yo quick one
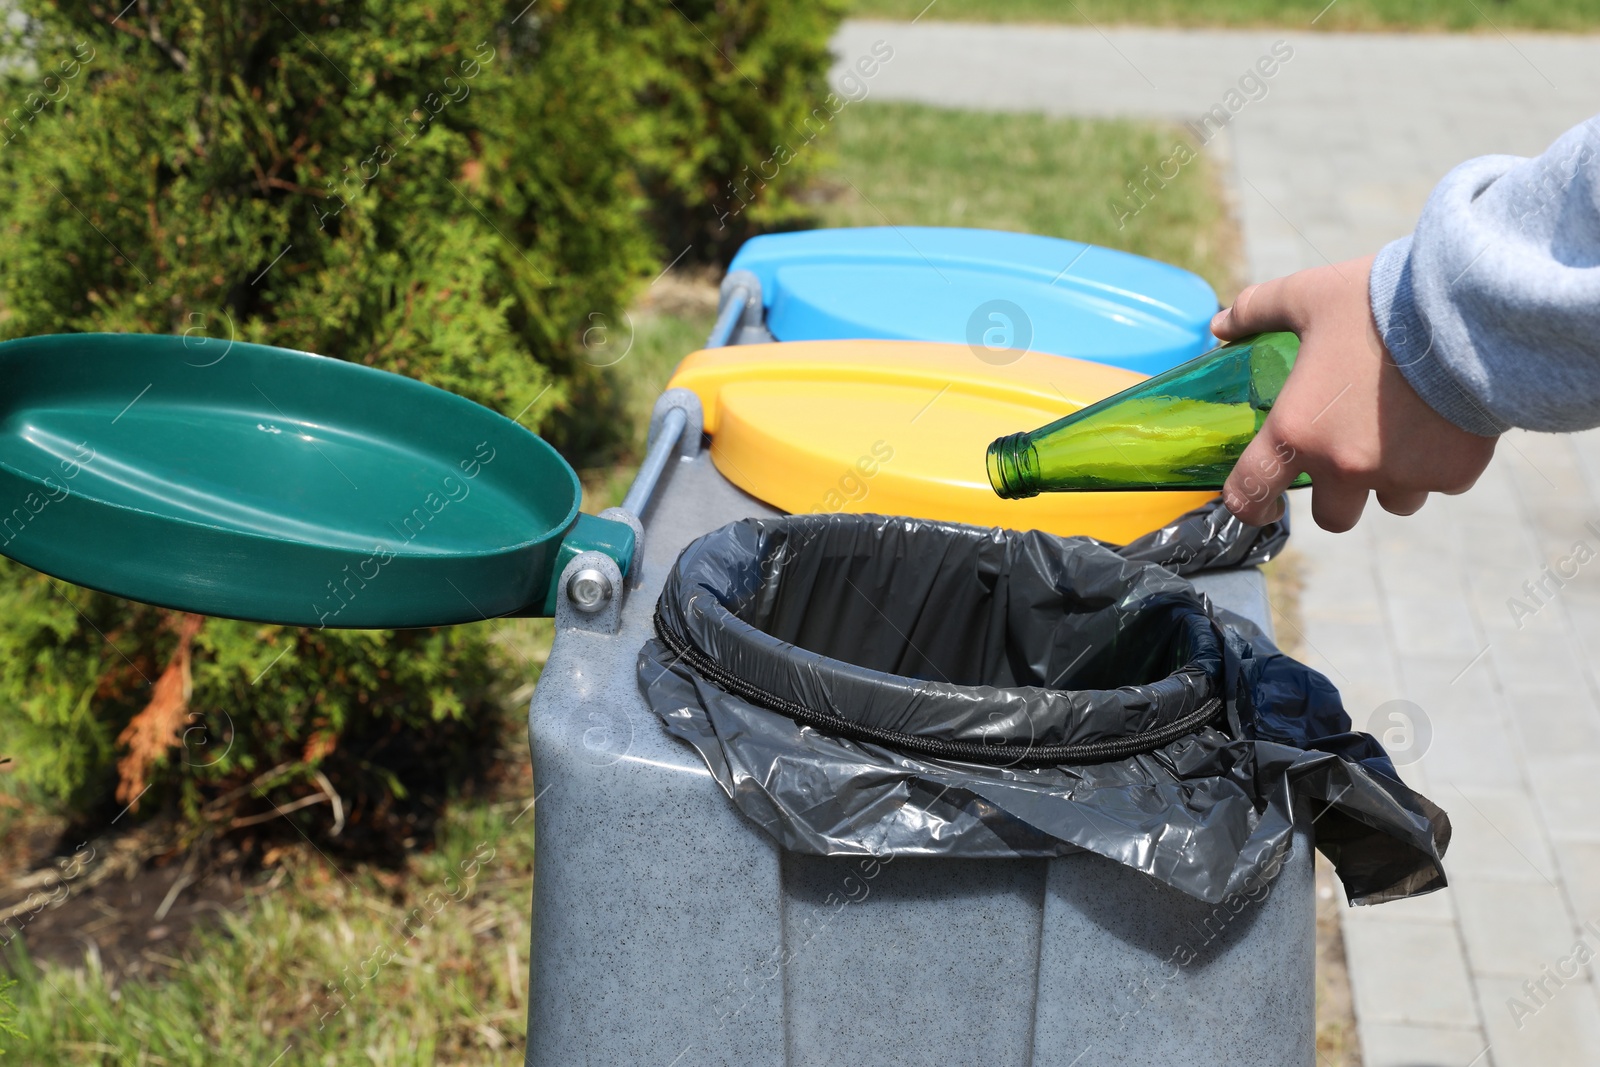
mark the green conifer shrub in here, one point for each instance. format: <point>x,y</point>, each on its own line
<point>452,190</point>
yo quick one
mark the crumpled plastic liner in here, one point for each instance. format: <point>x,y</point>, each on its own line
<point>1209,538</point>
<point>943,630</point>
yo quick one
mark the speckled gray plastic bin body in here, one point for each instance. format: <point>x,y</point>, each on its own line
<point>669,931</point>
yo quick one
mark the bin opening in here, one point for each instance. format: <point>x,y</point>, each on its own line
<point>956,642</point>
<point>954,620</point>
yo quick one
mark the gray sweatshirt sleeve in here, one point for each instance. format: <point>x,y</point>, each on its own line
<point>1491,308</point>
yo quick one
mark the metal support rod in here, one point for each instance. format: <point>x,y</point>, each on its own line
<point>729,317</point>
<point>655,461</point>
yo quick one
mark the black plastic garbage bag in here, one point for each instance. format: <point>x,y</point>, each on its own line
<point>1209,538</point>
<point>890,686</point>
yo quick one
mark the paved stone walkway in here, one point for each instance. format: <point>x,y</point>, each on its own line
<point>1495,680</point>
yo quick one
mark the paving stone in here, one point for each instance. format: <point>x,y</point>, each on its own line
<point>1357,599</point>
<point>1436,907</point>
<point>1498,834</point>
<point>1553,720</point>
<point>1568,792</point>
<point>1352,655</point>
<point>1491,500</point>
<point>1495,544</point>
<point>1580,869</point>
<point>1566,543</point>
<point>1471,745</point>
<point>1436,625</point>
<point>1491,591</point>
<point>1454,681</point>
<point>1408,972</point>
<point>1582,620</point>
<point>1512,929</point>
<point>1389,1045</point>
<point>1529,657</point>
<point>1586,446</point>
<point>1563,1032</point>
<point>1420,544</point>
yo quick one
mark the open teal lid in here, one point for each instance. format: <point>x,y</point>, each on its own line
<point>260,483</point>
<point>984,287</point>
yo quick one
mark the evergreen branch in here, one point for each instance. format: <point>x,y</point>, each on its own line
<point>152,35</point>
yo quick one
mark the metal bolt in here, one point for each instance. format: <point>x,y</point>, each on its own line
<point>589,590</point>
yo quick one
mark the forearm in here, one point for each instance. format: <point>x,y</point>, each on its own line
<point>1492,308</point>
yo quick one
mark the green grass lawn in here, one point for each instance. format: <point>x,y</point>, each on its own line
<point>906,164</point>
<point>1570,15</point>
<point>669,321</point>
<point>255,989</point>
<point>324,966</point>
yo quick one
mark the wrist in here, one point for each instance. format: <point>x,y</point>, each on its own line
<point>1410,345</point>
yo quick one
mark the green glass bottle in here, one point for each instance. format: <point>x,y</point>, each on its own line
<point>1182,429</point>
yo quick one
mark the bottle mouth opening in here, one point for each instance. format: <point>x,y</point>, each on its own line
<point>1013,467</point>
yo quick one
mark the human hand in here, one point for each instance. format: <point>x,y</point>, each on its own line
<point>1346,415</point>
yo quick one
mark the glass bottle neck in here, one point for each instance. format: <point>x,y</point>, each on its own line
<point>1014,466</point>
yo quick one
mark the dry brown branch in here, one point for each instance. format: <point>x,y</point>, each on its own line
<point>158,727</point>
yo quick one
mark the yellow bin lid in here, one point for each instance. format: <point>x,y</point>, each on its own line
<point>901,428</point>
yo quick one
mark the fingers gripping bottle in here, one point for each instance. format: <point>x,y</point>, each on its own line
<point>1182,429</point>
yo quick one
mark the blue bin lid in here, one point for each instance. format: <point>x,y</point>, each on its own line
<point>921,283</point>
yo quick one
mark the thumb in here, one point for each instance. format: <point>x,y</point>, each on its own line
<point>1254,489</point>
<point>1257,309</point>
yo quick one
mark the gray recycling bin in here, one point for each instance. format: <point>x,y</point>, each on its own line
<point>669,929</point>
